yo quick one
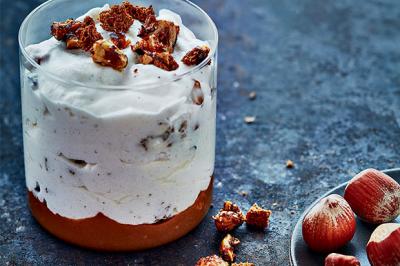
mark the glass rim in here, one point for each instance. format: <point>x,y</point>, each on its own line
<point>58,78</point>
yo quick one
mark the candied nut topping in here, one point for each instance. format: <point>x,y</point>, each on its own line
<point>117,19</point>
<point>213,260</point>
<point>87,34</point>
<point>60,30</point>
<point>76,34</point>
<point>196,55</point>
<point>162,39</point>
<point>107,54</point>
<point>227,247</point>
<point>258,217</point>
<point>197,93</point>
<point>138,12</point>
<point>119,40</point>
<point>161,60</point>
<point>229,217</point>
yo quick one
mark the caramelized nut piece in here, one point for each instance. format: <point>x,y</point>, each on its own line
<point>196,56</point>
<point>227,247</point>
<point>242,264</point>
<point>258,217</point>
<point>197,93</point>
<point>60,30</point>
<point>117,19</point>
<point>76,34</point>
<point>87,34</point>
<point>158,36</point>
<point>138,12</point>
<point>107,54</point>
<point>161,60</point>
<point>213,260</point>
<point>229,217</point>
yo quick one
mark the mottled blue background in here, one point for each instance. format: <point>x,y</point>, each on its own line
<point>327,77</point>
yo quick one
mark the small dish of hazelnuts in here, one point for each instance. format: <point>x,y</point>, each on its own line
<point>356,223</point>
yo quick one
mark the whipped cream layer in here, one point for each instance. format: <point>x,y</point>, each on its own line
<point>137,155</point>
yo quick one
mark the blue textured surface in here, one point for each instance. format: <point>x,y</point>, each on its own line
<point>327,77</point>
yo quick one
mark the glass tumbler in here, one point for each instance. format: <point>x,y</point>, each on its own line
<point>117,167</point>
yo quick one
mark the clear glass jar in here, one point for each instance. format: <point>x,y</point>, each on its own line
<point>117,167</point>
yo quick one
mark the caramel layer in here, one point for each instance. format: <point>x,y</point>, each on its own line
<point>102,233</point>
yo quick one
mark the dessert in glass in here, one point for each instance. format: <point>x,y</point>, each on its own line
<point>118,109</point>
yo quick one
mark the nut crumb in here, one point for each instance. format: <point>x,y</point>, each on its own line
<point>258,217</point>
<point>227,247</point>
<point>289,164</point>
<point>252,95</point>
<point>249,119</point>
<point>213,260</point>
<point>229,217</point>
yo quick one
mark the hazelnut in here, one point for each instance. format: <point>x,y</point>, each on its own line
<point>258,217</point>
<point>227,247</point>
<point>383,248</point>
<point>329,225</point>
<point>335,259</point>
<point>107,54</point>
<point>373,196</point>
<point>213,260</point>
